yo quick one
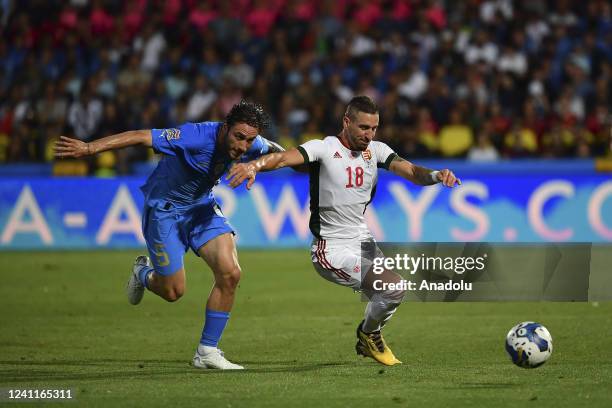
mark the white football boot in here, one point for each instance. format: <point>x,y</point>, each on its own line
<point>135,289</point>
<point>212,357</point>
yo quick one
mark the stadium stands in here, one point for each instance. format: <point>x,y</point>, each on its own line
<point>481,80</point>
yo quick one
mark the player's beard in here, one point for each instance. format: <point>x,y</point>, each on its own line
<point>232,153</point>
<point>357,143</point>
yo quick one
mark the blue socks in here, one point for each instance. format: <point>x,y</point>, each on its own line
<point>143,275</point>
<point>213,327</point>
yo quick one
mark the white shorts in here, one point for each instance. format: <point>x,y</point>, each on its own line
<point>339,261</point>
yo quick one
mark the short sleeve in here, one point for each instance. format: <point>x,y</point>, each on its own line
<point>169,141</point>
<point>313,150</point>
<point>384,154</point>
<point>258,148</point>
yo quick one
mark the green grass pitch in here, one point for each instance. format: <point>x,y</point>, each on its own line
<point>65,323</point>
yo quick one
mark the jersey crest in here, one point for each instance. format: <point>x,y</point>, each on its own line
<point>171,134</point>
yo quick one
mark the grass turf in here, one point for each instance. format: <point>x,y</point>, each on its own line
<point>65,323</point>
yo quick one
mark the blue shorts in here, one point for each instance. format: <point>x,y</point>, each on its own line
<point>170,231</point>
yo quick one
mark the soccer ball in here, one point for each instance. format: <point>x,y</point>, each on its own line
<point>529,344</point>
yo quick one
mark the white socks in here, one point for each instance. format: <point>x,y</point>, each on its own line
<point>377,312</point>
<point>203,350</point>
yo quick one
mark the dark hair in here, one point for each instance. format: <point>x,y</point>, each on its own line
<point>250,113</point>
<point>361,103</point>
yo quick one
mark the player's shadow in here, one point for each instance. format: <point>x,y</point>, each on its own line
<point>20,372</point>
<point>93,362</point>
<point>74,370</point>
<point>278,367</point>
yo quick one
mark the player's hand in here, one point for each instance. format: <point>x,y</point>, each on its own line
<point>240,172</point>
<point>448,178</point>
<point>67,147</point>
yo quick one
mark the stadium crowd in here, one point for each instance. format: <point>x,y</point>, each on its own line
<point>477,79</point>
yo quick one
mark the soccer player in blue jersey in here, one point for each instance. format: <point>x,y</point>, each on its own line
<point>180,211</point>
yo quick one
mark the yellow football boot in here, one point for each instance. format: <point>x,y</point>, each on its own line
<point>373,345</point>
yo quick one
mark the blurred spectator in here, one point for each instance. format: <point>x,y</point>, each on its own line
<point>151,43</point>
<point>226,25</point>
<point>229,95</point>
<point>562,15</point>
<point>365,87</point>
<point>211,66</point>
<point>339,90</point>
<point>51,108</point>
<point>132,75</point>
<point>105,166</point>
<point>490,8</point>
<point>261,17</point>
<point>529,78</point>
<point>177,84</point>
<point>427,130</point>
<point>201,100</point>
<point>414,83</point>
<point>311,131</point>
<point>520,142</point>
<point>201,15</point>
<point>358,42</point>
<point>558,142</point>
<point>238,71</point>
<point>409,144</point>
<point>513,61</point>
<point>481,49</point>
<point>85,114</point>
<point>104,84</point>
<point>483,151</point>
<point>456,137</point>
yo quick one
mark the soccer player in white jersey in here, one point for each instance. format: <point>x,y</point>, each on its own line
<point>343,176</point>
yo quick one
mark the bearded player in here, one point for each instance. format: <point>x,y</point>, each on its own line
<point>343,176</point>
<point>180,211</point>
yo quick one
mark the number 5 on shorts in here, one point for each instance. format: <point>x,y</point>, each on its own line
<point>162,256</point>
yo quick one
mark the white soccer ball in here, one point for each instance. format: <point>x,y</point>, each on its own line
<point>529,344</point>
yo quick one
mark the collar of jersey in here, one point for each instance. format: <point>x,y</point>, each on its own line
<point>348,149</point>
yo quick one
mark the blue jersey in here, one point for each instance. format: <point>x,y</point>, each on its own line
<point>191,163</point>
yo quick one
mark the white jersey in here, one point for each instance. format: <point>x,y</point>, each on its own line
<point>342,184</point>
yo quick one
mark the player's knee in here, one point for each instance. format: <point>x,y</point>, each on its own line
<point>173,293</point>
<point>172,296</point>
<point>233,278</point>
<point>179,291</point>
<point>230,279</point>
<point>394,296</point>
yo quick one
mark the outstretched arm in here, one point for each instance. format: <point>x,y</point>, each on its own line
<point>67,147</point>
<point>422,175</point>
<point>242,171</point>
<point>274,147</point>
